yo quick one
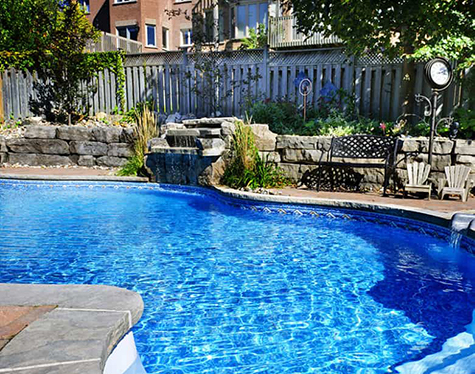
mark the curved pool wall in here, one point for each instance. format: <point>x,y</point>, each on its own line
<point>292,213</point>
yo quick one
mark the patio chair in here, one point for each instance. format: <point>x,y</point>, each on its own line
<point>456,182</point>
<point>417,174</point>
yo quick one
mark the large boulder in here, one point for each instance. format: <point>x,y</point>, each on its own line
<point>265,139</point>
<point>111,161</point>
<point>40,132</point>
<point>119,150</point>
<point>107,134</point>
<point>85,160</point>
<point>77,133</point>
<point>89,148</point>
<point>47,146</point>
<point>32,159</point>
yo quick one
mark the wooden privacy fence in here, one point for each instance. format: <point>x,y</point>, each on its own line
<point>175,82</point>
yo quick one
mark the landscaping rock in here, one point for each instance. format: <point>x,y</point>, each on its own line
<point>127,135</point>
<point>464,147</point>
<point>171,126</point>
<point>89,148</point>
<point>119,150</point>
<point>47,146</point>
<point>32,121</point>
<point>466,160</point>
<point>441,146</point>
<point>439,162</point>
<point>175,118</point>
<point>101,116</point>
<point>31,159</point>
<point>411,145</point>
<point>212,175</point>
<point>208,143</point>
<point>107,134</point>
<point>265,139</point>
<point>110,161</point>
<point>291,171</point>
<point>227,128</point>
<point>40,132</point>
<point>3,158</point>
<point>157,143</point>
<point>297,142</point>
<point>78,133</point>
<point>88,161</point>
<point>3,144</point>
<point>302,155</point>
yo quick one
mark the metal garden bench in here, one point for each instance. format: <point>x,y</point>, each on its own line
<point>356,151</point>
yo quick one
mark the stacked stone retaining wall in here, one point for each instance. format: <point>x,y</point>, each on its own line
<point>68,145</point>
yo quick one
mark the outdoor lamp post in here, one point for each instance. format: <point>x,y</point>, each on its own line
<point>438,73</point>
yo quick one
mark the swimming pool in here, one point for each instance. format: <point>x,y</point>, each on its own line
<point>253,290</point>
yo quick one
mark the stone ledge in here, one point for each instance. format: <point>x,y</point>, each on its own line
<point>89,178</point>
<point>78,335</point>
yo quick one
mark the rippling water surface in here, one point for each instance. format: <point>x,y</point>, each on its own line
<point>235,291</point>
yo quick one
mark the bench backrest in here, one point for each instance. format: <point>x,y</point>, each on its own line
<point>363,146</point>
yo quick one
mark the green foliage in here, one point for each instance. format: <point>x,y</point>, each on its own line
<point>257,39</point>
<point>393,27</point>
<point>145,129</point>
<point>132,168</point>
<point>27,25</point>
<point>466,118</point>
<point>246,168</point>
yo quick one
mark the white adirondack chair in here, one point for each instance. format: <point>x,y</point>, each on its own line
<point>417,174</point>
<point>457,182</point>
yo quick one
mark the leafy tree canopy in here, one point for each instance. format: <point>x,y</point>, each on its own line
<point>393,27</point>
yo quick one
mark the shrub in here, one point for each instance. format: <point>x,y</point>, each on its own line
<point>466,119</point>
<point>145,129</point>
<point>246,168</point>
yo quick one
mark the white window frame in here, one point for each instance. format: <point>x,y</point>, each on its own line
<point>234,23</point>
<point>124,1</point>
<point>127,31</point>
<point>146,35</point>
<point>183,33</point>
<point>167,38</point>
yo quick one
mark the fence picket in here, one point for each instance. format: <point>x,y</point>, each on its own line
<point>175,85</point>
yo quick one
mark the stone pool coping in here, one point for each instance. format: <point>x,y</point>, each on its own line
<point>77,336</point>
<point>79,178</point>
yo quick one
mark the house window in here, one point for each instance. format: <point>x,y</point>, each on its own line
<point>124,1</point>
<point>209,26</point>
<point>129,32</point>
<point>151,36</point>
<point>165,33</point>
<point>84,4</point>
<point>248,16</point>
<point>186,37</point>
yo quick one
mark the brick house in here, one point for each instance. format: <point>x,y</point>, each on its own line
<point>160,25</point>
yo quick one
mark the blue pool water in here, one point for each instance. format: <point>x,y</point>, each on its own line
<point>231,290</point>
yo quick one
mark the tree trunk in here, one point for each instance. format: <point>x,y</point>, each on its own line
<point>407,85</point>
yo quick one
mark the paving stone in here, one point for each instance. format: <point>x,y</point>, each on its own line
<point>47,146</point>
<point>40,132</point>
<point>78,133</point>
<point>89,148</point>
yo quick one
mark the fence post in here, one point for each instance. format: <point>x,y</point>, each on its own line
<point>266,71</point>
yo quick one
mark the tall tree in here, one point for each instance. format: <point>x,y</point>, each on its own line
<point>391,27</point>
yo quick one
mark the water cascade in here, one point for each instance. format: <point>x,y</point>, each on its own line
<point>186,150</point>
<point>461,222</point>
